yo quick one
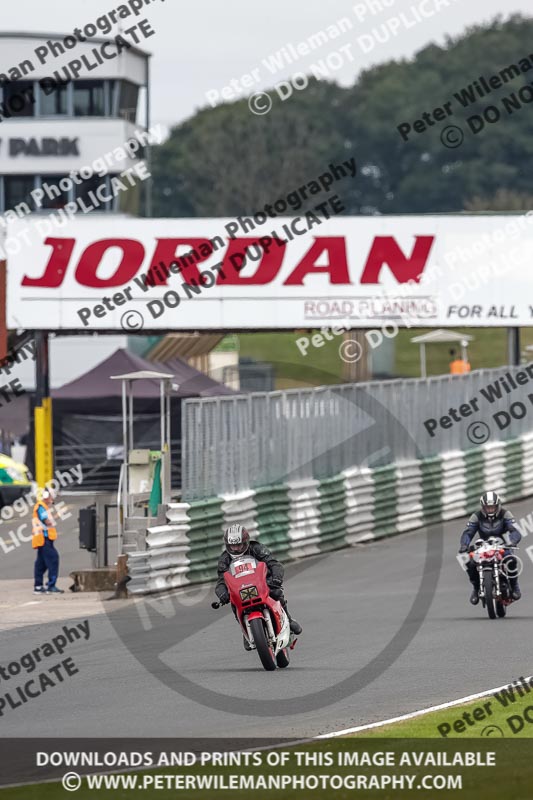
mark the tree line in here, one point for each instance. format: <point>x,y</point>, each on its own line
<point>225,161</point>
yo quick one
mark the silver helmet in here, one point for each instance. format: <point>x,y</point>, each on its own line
<point>490,504</point>
<point>237,540</point>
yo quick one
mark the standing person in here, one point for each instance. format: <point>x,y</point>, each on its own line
<point>458,366</point>
<point>44,533</point>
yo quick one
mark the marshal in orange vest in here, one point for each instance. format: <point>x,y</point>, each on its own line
<point>37,539</point>
<point>459,367</point>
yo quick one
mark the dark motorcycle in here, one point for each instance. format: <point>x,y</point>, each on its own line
<point>492,559</point>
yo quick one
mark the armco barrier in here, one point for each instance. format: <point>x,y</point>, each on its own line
<point>307,517</point>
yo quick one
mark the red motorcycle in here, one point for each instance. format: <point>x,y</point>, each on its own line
<point>264,623</point>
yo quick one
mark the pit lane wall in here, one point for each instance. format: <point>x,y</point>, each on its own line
<point>307,517</point>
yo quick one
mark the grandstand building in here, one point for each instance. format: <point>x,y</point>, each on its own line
<point>52,129</point>
<point>54,139</point>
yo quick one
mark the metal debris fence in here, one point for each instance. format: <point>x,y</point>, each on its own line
<point>234,443</point>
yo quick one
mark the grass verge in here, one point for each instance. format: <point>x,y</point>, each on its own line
<point>500,714</point>
<point>323,364</point>
<point>496,724</point>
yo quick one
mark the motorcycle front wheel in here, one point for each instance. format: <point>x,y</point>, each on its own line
<point>282,658</point>
<point>488,583</point>
<point>263,648</point>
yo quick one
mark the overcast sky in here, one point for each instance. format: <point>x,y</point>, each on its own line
<point>201,45</point>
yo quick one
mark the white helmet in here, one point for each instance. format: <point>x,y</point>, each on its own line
<point>237,540</point>
<point>490,504</point>
<point>49,494</point>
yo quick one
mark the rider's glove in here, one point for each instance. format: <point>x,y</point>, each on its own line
<point>224,597</point>
<point>277,583</point>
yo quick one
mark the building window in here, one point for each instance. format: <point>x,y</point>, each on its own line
<point>91,185</point>
<point>19,98</point>
<point>128,100</point>
<point>54,195</point>
<point>89,99</point>
<point>55,103</point>
<point>18,189</point>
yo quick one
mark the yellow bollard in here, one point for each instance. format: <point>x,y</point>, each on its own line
<point>44,467</point>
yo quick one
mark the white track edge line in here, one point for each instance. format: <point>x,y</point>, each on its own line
<point>414,714</point>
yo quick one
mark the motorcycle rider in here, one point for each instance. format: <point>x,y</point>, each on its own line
<point>237,542</point>
<point>491,520</point>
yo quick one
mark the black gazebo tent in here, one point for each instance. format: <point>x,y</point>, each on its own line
<point>88,415</point>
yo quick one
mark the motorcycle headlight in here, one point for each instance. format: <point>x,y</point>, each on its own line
<point>249,592</point>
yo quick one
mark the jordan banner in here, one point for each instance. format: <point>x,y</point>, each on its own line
<point>268,272</point>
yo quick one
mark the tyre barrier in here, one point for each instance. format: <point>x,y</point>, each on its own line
<point>305,517</point>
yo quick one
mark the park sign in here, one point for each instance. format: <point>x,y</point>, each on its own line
<point>121,273</point>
